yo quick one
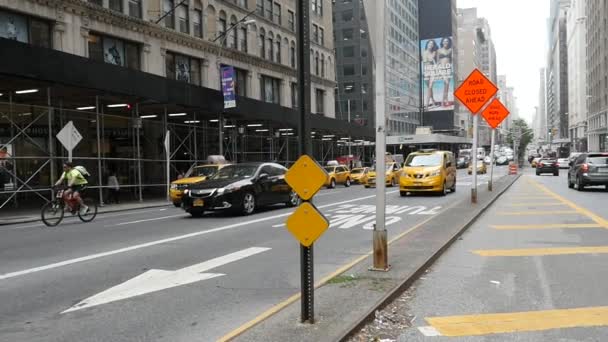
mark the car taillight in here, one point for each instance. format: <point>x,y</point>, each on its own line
<point>541,164</point>
<point>585,167</point>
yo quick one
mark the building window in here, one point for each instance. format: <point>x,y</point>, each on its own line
<point>260,7</point>
<point>291,20</point>
<point>268,9</point>
<point>322,65</point>
<point>115,5</point>
<point>243,3</point>
<point>347,15</point>
<point>25,29</point>
<point>317,64</point>
<point>183,68</point>
<point>315,33</point>
<point>292,55</point>
<point>294,95</point>
<point>278,50</point>
<point>243,39</point>
<point>320,100</point>
<point>321,36</point>
<point>135,8</point>
<point>113,51</point>
<point>221,29</point>
<point>363,52</point>
<point>197,20</point>
<point>170,18</point>
<point>347,34</point>
<point>262,43</point>
<point>96,2</point>
<point>348,51</point>
<point>349,87</point>
<point>232,34</point>
<point>270,89</point>
<point>270,46</point>
<point>349,70</point>
<point>317,7</point>
<point>314,6</point>
<point>182,19</point>
<point>277,13</point>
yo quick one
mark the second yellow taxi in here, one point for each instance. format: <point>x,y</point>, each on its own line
<point>428,171</point>
<point>391,175</point>
<point>195,175</point>
<point>337,174</point>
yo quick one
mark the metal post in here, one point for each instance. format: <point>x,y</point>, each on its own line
<point>474,159</point>
<point>195,142</point>
<point>349,137</point>
<point>167,154</point>
<point>51,140</point>
<point>99,170</point>
<point>221,133</point>
<point>491,160</point>
<point>380,245</point>
<point>305,147</point>
<point>137,130</point>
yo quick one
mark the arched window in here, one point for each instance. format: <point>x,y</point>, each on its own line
<point>232,35</point>
<point>197,19</point>
<point>262,42</point>
<point>242,36</point>
<point>317,64</point>
<point>270,46</point>
<point>221,28</point>
<point>277,50</point>
<point>292,54</point>
<point>322,65</point>
<point>210,21</point>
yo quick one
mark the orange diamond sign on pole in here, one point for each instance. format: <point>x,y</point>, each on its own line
<point>495,113</point>
<point>475,91</point>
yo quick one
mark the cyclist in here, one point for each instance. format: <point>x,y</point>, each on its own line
<point>76,184</point>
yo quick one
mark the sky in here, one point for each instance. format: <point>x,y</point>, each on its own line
<point>519,32</point>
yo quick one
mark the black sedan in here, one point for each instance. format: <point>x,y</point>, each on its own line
<point>241,188</point>
<point>547,166</point>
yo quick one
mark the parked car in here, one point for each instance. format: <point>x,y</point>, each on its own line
<point>563,163</point>
<point>588,169</point>
<point>359,174</point>
<point>428,172</point>
<point>337,175</point>
<point>241,188</point>
<point>195,175</point>
<point>481,167</point>
<point>547,166</point>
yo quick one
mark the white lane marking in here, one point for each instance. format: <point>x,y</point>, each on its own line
<point>146,220</point>
<point>158,242</point>
<point>328,193</point>
<point>157,280</point>
<point>429,331</point>
<point>279,225</point>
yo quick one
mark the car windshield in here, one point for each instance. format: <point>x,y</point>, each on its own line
<point>388,167</point>
<point>547,161</point>
<point>424,160</point>
<point>329,169</point>
<point>598,160</point>
<point>236,172</point>
<point>203,171</point>
<point>356,171</point>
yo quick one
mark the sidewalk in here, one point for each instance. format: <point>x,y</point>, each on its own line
<point>17,216</point>
<point>347,299</point>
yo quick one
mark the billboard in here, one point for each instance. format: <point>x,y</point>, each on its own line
<point>437,74</point>
<point>228,87</point>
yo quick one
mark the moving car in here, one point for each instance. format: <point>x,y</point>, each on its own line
<point>534,162</point>
<point>462,162</point>
<point>588,169</point>
<point>563,163</point>
<point>487,160</point>
<point>241,188</point>
<point>392,174</point>
<point>481,167</point>
<point>502,160</point>
<point>547,166</point>
<point>433,171</point>
<point>337,174</point>
<point>359,175</point>
<point>195,175</point>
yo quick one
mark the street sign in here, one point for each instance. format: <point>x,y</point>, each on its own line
<point>306,177</point>
<point>475,91</point>
<point>495,113</point>
<point>69,137</point>
<point>228,87</point>
<point>307,224</point>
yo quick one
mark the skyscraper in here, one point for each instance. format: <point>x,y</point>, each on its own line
<point>597,76</point>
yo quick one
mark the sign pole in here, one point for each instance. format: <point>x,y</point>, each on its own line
<point>168,161</point>
<point>306,253</point>
<point>491,160</point>
<point>474,159</point>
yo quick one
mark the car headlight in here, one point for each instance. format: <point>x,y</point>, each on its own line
<point>435,173</point>
<point>186,192</point>
<point>173,186</point>
<point>227,189</point>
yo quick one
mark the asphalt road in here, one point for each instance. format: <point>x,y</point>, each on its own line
<point>160,275</point>
<point>532,268</point>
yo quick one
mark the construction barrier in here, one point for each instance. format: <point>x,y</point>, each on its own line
<point>512,168</point>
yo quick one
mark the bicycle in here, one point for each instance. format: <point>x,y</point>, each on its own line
<point>53,212</point>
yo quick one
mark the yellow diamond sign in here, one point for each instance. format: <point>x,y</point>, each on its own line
<point>306,177</point>
<point>307,224</point>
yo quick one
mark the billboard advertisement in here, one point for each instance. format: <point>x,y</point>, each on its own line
<point>228,87</point>
<point>437,74</point>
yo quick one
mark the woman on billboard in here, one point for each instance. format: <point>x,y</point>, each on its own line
<point>444,57</point>
<point>429,60</point>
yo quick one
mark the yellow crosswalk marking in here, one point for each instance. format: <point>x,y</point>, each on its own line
<point>537,212</point>
<point>536,204</point>
<point>484,324</point>
<point>541,251</point>
<point>545,226</point>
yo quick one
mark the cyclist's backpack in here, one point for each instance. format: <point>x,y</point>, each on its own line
<point>83,171</point>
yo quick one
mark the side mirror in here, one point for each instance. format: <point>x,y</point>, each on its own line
<point>263,176</point>
<point>570,163</point>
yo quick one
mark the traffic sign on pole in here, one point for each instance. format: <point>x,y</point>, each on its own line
<point>306,177</point>
<point>307,224</point>
<point>475,91</point>
<point>495,113</point>
<point>69,137</point>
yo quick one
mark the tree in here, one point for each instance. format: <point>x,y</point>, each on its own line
<point>520,131</point>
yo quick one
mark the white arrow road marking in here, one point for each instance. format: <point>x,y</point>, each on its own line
<point>429,331</point>
<point>157,280</point>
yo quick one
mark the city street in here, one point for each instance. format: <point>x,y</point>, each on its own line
<point>158,274</point>
<point>532,268</point>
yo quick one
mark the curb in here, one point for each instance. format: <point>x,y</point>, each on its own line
<point>406,283</point>
<point>99,212</point>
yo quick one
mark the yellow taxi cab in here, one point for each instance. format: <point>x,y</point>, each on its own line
<point>391,178</point>
<point>359,175</point>
<point>337,174</point>
<point>195,175</point>
<point>428,171</point>
<point>481,167</point>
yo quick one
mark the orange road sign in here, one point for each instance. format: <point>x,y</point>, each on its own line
<point>495,113</point>
<point>475,91</point>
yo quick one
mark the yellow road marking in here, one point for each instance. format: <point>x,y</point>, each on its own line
<point>537,212</point>
<point>581,210</point>
<point>520,321</point>
<point>545,226</point>
<point>529,197</point>
<point>278,307</point>
<point>533,204</point>
<point>541,251</point>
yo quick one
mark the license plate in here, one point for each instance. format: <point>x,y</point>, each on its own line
<point>198,203</point>
<point>417,183</point>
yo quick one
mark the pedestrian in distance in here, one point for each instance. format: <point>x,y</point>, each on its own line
<point>114,188</point>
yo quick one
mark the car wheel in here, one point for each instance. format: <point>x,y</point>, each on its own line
<point>537,173</point>
<point>579,184</point>
<point>444,191</point>
<point>403,193</point>
<point>347,183</point>
<point>177,205</point>
<point>196,213</point>
<point>332,183</point>
<point>248,205</point>
<point>570,184</point>
<point>294,199</point>
<point>453,189</point>
<point>366,186</point>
